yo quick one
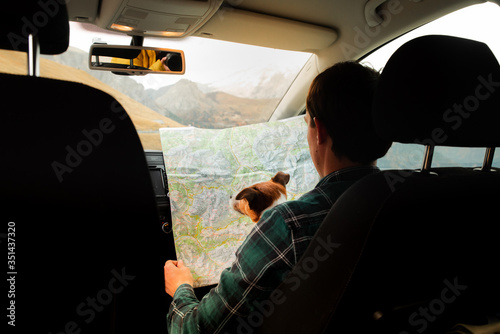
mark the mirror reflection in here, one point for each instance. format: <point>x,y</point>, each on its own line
<point>136,60</point>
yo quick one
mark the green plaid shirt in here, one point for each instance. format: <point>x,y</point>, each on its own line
<point>262,262</point>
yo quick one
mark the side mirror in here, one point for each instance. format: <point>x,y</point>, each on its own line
<point>136,60</point>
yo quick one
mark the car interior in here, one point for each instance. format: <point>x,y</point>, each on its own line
<point>418,247</point>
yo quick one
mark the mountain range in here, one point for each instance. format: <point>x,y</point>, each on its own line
<point>238,100</point>
<point>185,102</point>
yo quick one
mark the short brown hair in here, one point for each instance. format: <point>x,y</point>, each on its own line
<point>341,97</point>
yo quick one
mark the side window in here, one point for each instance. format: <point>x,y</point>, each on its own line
<point>496,161</point>
<point>477,22</point>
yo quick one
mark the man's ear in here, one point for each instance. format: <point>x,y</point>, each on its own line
<point>321,131</point>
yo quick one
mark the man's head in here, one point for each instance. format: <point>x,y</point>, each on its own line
<point>340,101</point>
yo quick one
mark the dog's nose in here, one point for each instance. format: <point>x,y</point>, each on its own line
<point>230,196</point>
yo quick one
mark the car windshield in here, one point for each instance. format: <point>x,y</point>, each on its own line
<point>225,84</point>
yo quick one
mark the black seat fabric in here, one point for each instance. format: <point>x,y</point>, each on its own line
<point>440,96</point>
<point>414,251</point>
<point>86,245</point>
<point>48,20</point>
<point>429,261</point>
<point>86,242</point>
<point>89,246</point>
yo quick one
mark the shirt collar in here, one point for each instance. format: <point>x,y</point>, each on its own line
<point>349,173</point>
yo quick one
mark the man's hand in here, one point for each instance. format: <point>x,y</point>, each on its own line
<point>164,64</point>
<point>176,274</point>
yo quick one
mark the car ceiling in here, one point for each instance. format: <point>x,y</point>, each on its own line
<point>337,16</point>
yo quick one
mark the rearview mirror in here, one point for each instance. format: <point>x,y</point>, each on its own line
<point>136,60</point>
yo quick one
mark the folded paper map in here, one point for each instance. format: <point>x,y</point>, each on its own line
<point>205,167</point>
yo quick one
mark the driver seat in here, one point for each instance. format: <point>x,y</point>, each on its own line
<point>87,249</point>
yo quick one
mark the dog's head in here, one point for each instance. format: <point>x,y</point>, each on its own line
<point>254,200</point>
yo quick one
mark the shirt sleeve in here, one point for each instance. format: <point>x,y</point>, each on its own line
<point>262,262</point>
<point>157,66</point>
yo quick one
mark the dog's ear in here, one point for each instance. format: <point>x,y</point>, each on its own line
<point>253,197</point>
<point>281,178</point>
<point>248,193</point>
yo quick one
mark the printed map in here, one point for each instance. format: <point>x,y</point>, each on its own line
<point>205,167</point>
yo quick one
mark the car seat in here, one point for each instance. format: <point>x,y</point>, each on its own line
<point>415,251</point>
<point>86,243</point>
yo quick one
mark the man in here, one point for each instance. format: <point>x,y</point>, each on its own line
<point>344,148</point>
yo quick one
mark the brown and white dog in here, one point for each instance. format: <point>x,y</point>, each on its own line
<point>254,200</point>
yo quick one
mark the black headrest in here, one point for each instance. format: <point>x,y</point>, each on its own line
<point>48,19</point>
<point>440,90</point>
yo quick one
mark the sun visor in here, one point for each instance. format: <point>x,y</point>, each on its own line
<point>235,25</point>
